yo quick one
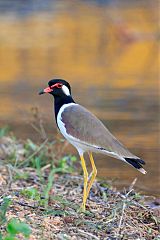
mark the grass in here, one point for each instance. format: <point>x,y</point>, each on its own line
<point>41,192</point>
<point>13,226</point>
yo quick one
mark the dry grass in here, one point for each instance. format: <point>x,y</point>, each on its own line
<point>47,194</point>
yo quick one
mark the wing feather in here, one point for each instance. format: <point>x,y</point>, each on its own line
<point>86,127</point>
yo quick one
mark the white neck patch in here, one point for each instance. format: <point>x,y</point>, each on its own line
<point>65,90</point>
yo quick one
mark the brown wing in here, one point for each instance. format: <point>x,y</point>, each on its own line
<point>83,125</point>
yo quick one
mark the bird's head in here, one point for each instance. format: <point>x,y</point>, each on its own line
<point>58,88</point>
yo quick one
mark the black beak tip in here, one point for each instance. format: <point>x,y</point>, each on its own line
<point>41,92</point>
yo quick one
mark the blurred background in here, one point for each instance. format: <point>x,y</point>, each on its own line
<point>107,50</point>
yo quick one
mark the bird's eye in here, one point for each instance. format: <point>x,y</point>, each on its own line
<point>59,85</point>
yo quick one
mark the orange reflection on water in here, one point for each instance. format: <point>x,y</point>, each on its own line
<point>110,56</point>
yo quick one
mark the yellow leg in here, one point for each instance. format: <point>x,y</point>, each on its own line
<point>94,173</point>
<point>85,182</point>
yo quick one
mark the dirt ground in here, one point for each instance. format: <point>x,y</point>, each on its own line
<point>48,200</point>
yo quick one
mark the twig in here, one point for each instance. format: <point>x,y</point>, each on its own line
<point>87,233</point>
<point>132,184</point>
<point>43,132</point>
<point>37,117</point>
<point>123,210</point>
<point>30,206</point>
<point>10,176</point>
<point>35,128</point>
<point>33,154</point>
<point>45,167</point>
<point>121,219</point>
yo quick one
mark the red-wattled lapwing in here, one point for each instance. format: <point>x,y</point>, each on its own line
<point>86,132</point>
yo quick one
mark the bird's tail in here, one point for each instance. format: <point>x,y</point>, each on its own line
<point>136,163</point>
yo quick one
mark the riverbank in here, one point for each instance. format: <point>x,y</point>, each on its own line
<point>41,193</point>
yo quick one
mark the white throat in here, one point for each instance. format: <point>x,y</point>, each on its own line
<point>66,90</point>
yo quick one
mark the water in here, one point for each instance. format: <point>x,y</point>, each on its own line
<point>107,53</point>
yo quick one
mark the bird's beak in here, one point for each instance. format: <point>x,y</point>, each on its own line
<point>46,90</point>
<point>50,89</point>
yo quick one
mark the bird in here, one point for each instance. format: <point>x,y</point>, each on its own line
<point>86,133</point>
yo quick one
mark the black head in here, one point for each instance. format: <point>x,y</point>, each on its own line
<point>57,87</point>
<point>61,91</point>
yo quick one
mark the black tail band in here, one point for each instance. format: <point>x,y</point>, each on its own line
<point>135,162</point>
